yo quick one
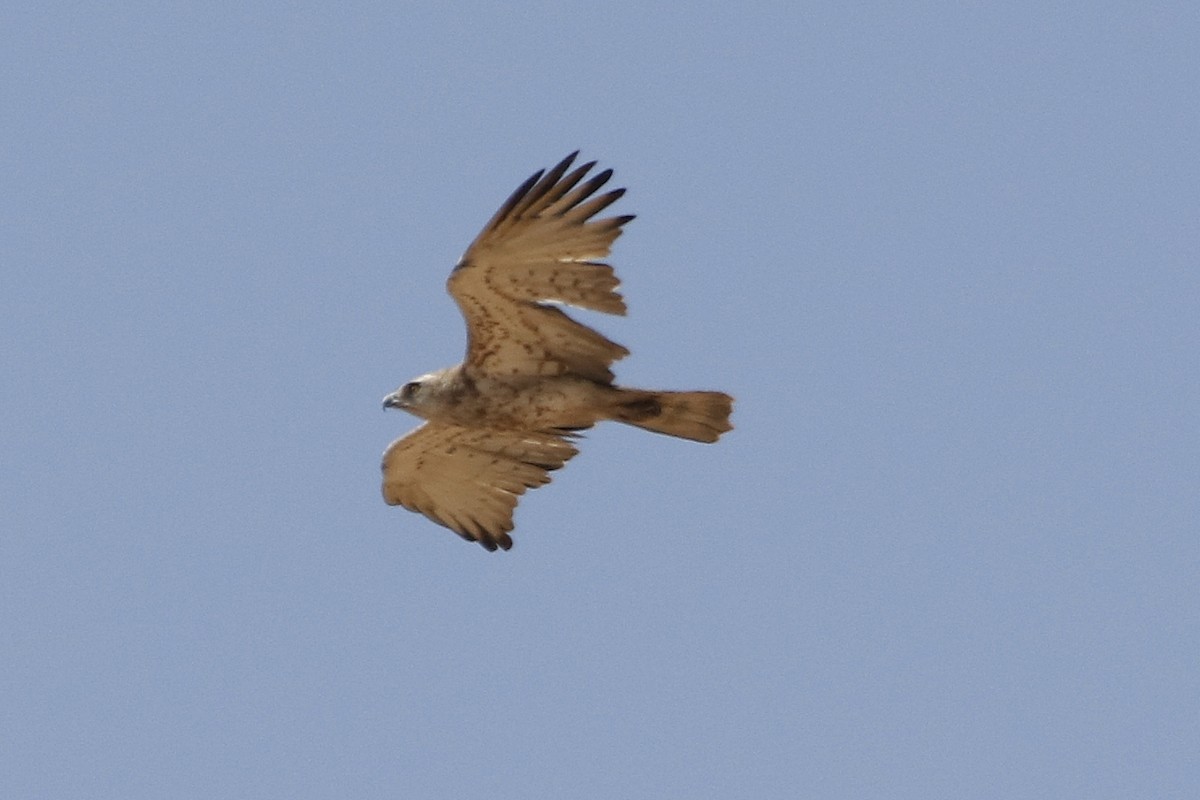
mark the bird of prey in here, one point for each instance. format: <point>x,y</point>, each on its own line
<point>533,377</point>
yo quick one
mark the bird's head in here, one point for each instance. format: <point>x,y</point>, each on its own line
<point>406,397</point>
<point>428,395</point>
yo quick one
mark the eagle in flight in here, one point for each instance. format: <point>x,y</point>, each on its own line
<point>498,423</point>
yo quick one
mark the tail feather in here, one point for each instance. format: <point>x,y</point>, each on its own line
<point>699,416</point>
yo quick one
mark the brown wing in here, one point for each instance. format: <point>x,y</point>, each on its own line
<point>541,246</point>
<point>468,479</point>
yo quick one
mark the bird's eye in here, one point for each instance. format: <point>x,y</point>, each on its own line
<point>408,390</point>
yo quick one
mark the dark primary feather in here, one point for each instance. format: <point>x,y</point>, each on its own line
<point>538,186</point>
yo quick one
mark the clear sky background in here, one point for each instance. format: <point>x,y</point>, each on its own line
<point>944,254</point>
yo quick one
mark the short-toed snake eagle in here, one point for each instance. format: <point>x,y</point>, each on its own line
<point>498,423</point>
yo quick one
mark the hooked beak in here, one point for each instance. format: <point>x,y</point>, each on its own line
<point>392,401</point>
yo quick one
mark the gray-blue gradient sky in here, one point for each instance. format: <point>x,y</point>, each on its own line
<point>944,254</point>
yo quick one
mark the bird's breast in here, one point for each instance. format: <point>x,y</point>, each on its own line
<point>527,404</point>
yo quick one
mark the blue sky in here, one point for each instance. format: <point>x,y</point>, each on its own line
<point>944,255</point>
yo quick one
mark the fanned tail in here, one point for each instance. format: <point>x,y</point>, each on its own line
<point>699,416</point>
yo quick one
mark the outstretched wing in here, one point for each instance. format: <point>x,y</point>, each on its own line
<point>542,246</point>
<point>469,479</point>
